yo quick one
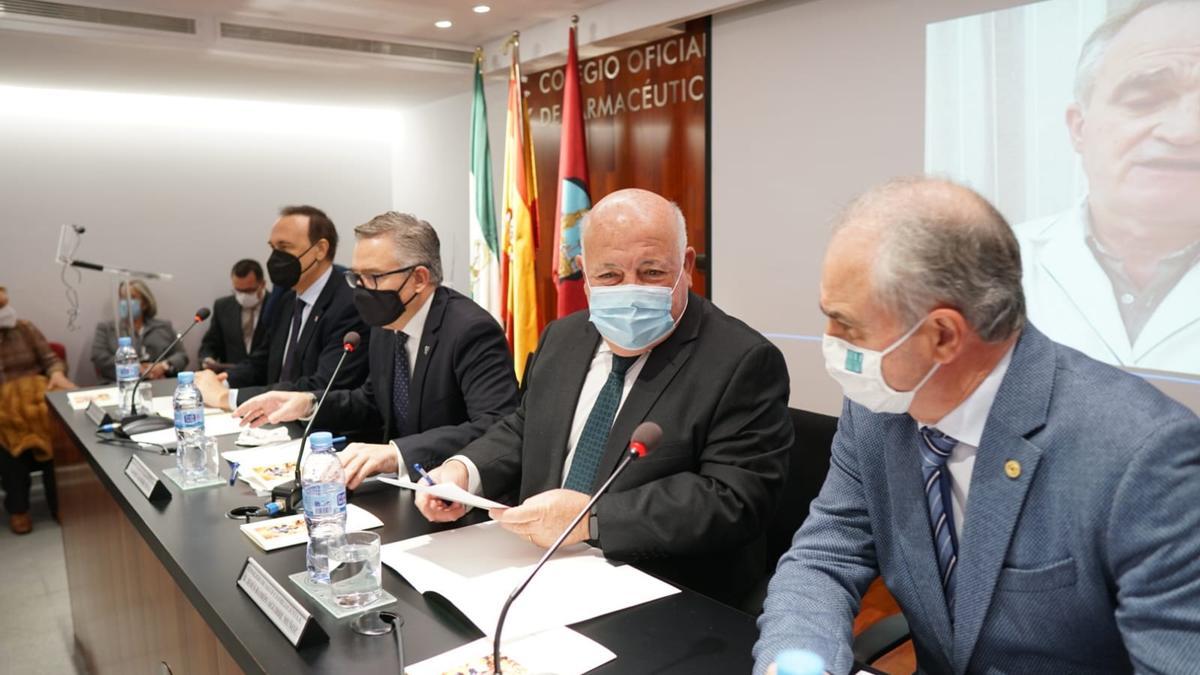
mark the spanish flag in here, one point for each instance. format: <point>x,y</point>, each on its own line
<point>518,276</point>
<point>574,199</point>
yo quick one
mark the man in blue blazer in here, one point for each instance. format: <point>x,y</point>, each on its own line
<point>1032,510</point>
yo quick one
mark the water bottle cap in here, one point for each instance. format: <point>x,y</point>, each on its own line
<point>125,341</point>
<point>799,662</point>
<point>187,377</point>
<point>320,439</point>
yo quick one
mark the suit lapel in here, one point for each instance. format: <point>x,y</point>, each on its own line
<point>911,515</point>
<point>429,340</point>
<point>387,375</point>
<point>559,414</point>
<point>279,336</point>
<point>996,499</point>
<point>314,318</point>
<point>661,366</point>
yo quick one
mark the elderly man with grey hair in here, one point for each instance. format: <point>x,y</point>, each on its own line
<point>1032,510</point>
<point>440,370</point>
<point>1118,275</point>
<point>647,349</point>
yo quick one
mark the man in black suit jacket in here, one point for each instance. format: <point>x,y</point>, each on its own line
<point>239,321</point>
<point>694,509</point>
<point>313,312</point>
<point>440,370</point>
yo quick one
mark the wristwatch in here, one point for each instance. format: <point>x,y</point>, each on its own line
<point>593,529</point>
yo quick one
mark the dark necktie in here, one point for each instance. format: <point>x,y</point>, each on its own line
<point>289,361</point>
<point>935,450</point>
<point>400,382</point>
<point>599,423</point>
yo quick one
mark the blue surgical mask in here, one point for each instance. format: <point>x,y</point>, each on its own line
<point>124,305</point>
<point>632,316</point>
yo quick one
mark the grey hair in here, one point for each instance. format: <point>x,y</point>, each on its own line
<point>942,244</point>
<point>1096,46</point>
<point>416,241</point>
<point>149,304</point>
<point>680,229</point>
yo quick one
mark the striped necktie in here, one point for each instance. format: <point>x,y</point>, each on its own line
<point>935,450</point>
<point>590,447</point>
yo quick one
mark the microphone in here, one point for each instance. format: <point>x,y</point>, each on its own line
<point>645,438</point>
<point>135,423</point>
<point>290,494</point>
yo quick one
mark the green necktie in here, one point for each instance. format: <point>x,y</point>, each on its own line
<point>591,444</point>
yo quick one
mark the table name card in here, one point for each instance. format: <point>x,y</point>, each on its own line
<point>288,615</point>
<point>146,481</point>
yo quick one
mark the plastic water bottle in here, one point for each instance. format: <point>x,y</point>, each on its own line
<point>190,451</point>
<point>128,371</point>
<point>799,662</point>
<point>324,484</point>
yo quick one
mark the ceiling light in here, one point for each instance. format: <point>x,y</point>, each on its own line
<point>481,9</point>
<point>444,23</point>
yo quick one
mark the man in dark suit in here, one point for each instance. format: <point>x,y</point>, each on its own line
<point>1032,510</point>
<point>440,370</point>
<point>239,321</point>
<point>694,510</point>
<point>315,309</point>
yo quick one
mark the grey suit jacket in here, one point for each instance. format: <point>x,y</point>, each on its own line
<point>1088,561</point>
<point>156,335</point>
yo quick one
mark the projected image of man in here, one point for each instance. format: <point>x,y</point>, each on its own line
<point>1117,276</point>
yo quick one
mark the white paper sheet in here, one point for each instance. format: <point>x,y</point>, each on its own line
<point>447,491</point>
<point>103,396</point>
<point>265,467</point>
<point>165,406</point>
<point>214,425</point>
<point>558,650</point>
<point>287,531</point>
<point>476,567</point>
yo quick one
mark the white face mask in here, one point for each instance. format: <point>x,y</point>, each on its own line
<point>860,372</point>
<point>247,300</point>
<point>8,317</point>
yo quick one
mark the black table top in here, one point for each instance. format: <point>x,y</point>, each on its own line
<point>204,551</point>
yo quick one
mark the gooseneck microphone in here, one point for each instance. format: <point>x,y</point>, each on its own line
<point>289,495</point>
<point>136,423</point>
<point>645,438</point>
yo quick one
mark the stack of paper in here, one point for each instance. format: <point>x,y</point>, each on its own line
<point>559,650</point>
<point>214,425</point>
<point>103,396</point>
<point>290,530</point>
<point>476,567</point>
<point>265,467</point>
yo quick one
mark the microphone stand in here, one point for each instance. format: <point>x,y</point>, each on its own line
<point>290,494</point>
<point>636,450</point>
<point>150,422</point>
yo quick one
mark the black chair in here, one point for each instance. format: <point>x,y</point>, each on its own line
<point>809,462</point>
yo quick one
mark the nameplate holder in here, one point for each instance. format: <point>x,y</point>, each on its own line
<point>146,481</point>
<point>288,615</point>
<point>98,415</point>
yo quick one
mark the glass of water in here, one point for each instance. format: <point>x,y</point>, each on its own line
<point>354,573</point>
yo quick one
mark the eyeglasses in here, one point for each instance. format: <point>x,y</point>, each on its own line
<point>371,281</point>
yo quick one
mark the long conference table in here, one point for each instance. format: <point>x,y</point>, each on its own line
<point>153,585</point>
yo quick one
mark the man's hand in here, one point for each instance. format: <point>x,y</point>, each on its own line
<point>274,407</point>
<point>436,510</point>
<point>366,459</point>
<point>212,388</point>
<point>541,518</point>
<point>156,372</point>
<point>59,382</point>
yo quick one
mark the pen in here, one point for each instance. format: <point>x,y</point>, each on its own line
<point>424,476</point>
<point>338,439</point>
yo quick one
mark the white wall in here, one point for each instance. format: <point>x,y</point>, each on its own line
<point>179,193</point>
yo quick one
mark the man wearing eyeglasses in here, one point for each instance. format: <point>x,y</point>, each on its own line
<point>440,369</point>
<point>312,314</point>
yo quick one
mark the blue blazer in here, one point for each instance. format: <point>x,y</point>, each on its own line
<point>1088,561</point>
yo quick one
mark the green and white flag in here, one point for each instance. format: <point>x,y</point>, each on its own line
<point>485,261</point>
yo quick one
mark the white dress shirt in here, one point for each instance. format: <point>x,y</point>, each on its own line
<point>309,296</point>
<point>413,329</point>
<point>965,424</point>
<point>597,375</point>
<point>250,318</point>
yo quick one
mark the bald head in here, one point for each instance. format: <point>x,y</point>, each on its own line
<point>919,243</point>
<point>634,212</point>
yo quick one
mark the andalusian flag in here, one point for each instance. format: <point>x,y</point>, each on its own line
<point>485,244</point>
<point>573,198</point>
<point>519,239</point>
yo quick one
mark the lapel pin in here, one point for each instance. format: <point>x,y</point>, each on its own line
<point>426,350</point>
<point>1012,469</point>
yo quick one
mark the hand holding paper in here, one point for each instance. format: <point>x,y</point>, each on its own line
<point>446,491</point>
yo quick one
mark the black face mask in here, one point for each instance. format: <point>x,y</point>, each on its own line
<point>284,268</point>
<point>380,308</point>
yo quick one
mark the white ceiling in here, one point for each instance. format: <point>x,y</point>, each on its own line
<point>65,54</point>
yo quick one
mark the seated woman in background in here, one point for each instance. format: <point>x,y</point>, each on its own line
<point>28,369</point>
<point>150,336</point>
